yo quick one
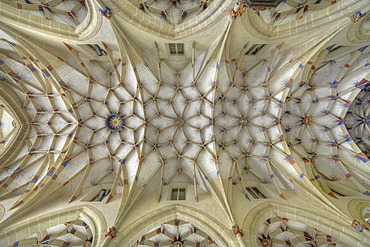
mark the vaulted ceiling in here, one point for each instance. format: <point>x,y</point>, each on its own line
<point>136,118</point>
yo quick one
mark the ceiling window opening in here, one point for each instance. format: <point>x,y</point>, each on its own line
<point>178,194</point>
<point>98,50</point>
<point>254,49</point>
<point>338,193</point>
<point>101,195</point>
<point>336,48</point>
<point>176,48</point>
<point>255,193</point>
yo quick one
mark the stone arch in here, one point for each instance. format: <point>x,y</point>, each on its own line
<point>208,224</point>
<point>38,228</point>
<point>358,33</point>
<point>359,210</point>
<point>319,19</point>
<point>335,225</point>
<point>133,15</point>
<point>85,29</point>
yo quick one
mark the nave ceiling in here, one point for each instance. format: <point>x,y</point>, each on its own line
<point>272,97</point>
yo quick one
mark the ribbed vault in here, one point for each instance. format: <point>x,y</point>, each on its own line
<point>293,117</point>
<point>70,233</point>
<point>207,118</point>
<point>176,233</point>
<point>291,10</point>
<point>281,231</point>
<point>51,123</point>
<point>67,12</point>
<point>173,11</point>
<point>357,120</point>
<point>314,114</point>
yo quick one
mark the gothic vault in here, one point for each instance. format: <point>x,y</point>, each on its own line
<point>175,123</point>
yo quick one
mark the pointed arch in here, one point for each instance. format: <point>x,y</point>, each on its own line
<point>359,210</point>
<point>338,226</point>
<point>207,223</point>
<point>84,222</point>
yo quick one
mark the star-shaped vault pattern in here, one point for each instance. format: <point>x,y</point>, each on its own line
<point>314,114</point>
<point>177,120</point>
<point>133,119</point>
<point>357,120</point>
